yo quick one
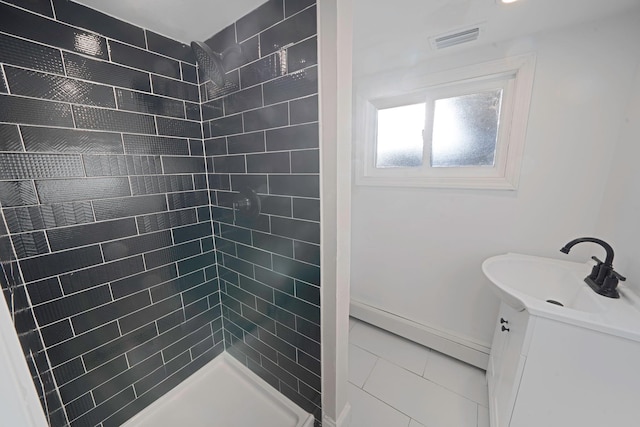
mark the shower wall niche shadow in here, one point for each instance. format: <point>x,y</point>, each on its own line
<point>118,170</point>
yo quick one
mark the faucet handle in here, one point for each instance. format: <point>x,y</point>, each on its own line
<point>595,258</point>
<point>618,276</point>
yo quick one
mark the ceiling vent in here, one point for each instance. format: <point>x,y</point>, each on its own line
<point>453,39</point>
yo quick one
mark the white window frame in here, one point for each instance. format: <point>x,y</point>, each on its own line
<point>514,75</point>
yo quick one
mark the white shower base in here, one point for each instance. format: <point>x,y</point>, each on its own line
<point>224,393</point>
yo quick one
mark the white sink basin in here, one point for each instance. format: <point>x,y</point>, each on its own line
<point>540,285</point>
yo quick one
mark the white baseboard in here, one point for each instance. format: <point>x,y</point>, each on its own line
<point>445,342</point>
<point>344,420</point>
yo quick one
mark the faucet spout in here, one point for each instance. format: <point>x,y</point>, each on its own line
<point>607,247</point>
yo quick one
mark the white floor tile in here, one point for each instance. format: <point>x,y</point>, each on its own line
<point>457,376</point>
<point>483,416</point>
<point>361,362</point>
<point>419,398</point>
<point>367,411</point>
<point>414,423</point>
<point>391,347</point>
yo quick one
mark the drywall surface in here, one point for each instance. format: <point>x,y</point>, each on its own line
<point>618,223</point>
<point>417,252</point>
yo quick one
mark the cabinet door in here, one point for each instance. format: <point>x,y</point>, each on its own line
<point>509,361</point>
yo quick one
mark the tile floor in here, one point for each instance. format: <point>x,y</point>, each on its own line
<point>394,382</point>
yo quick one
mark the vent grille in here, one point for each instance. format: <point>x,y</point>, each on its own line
<point>453,39</point>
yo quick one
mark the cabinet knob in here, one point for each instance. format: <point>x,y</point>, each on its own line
<point>505,329</point>
<point>503,321</point>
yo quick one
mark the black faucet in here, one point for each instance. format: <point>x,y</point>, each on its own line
<point>603,279</point>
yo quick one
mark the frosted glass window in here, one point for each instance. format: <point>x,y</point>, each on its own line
<point>465,130</point>
<point>400,141</point>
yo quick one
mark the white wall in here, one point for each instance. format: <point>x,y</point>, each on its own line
<point>417,252</point>
<point>618,223</point>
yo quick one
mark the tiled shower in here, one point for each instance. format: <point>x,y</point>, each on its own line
<point>125,265</point>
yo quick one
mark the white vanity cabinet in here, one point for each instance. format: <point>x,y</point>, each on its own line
<point>543,372</point>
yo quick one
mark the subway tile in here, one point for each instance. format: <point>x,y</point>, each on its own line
<point>30,244</point>
<point>169,47</point>
<point>99,413</point>
<point>130,206</point>
<point>155,184</point>
<point>79,406</point>
<point>149,104</point>
<point>219,182</point>
<point>221,127</point>
<point>43,7</point>
<point>212,91</point>
<point>260,19</point>
<point>176,127</point>
<point>34,112</point>
<point>192,110</point>
<point>174,165</point>
<point>213,109</point>
<point>149,314</point>
<point>196,148</point>
<point>305,161</point>
<point>306,209</point>
<point>309,329</point>
<point>293,137</point>
<point>304,110</point>
<point>243,100</point>
<point>302,271</point>
<point>175,89</point>
<point>144,280</point>
<point>104,72</point>
<point>113,310</point>
<point>17,193</point>
<point>176,286</point>
<point>261,71</point>
<point>171,254</point>
<point>98,355</point>
<point>127,378</point>
<point>276,205</point>
<point>143,144</point>
<point>295,185</point>
<point>298,307</point>
<point>44,290</point>
<point>82,235</point>
<point>308,292</point>
<point>199,293</point>
<point>66,190</point>
<point>275,280</point>
<point>87,381</point>
<point>254,256</point>
<point>79,345</point>
<point>238,265</point>
<point>229,164</point>
<point>3,85</point>
<point>48,216</point>
<point>170,321</point>
<point>281,346</point>
<point>30,55</point>
<point>191,232</point>
<point>295,85</point>
<point>291,30</point>
<point>294,6</point>
<point>270,163</point>
<point>33,27</point>
<point>45,139</point>
<point>267,117</point>
<point>189,73</point>
<point>59,309</point>
<point>110,120</point>
<point>257,183</point>
<point>294,368</point>
<point>10,138</point>
<point>305,231</point>
<point>34,166</point>
<point>100,274</point>
<point>93,20</point>
<point>256,288</point>
<point>302,55</point>
<point>222,39</point>
<point>136,245</point>
<point>187,200</point>
<point>272,243</point>
<point>307,252</point>
<point>144,60</point>
<point>115,165</point>
<point>247,143</point>
<point>58,263</point>
<point>166,220</point>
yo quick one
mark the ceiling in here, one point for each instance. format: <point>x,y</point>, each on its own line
<point>402,28</point>
<point>184,20</point>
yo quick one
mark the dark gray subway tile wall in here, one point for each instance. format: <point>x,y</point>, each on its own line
<point>104,192</point>
<point>261,132</point>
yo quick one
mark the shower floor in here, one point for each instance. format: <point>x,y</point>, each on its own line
<point>223,394</point>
